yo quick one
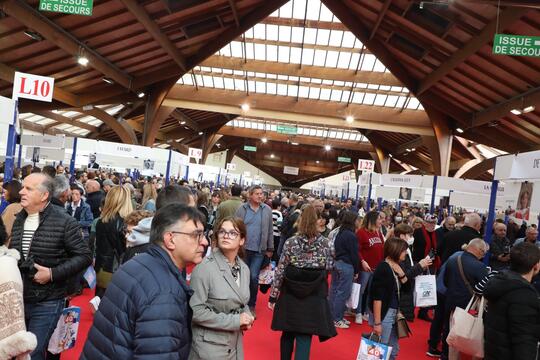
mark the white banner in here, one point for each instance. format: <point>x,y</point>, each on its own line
<point>36,154</point>
<point>33,87</point>
<point>7,111</point>
<point>523,166</point>
<point>290,170</point>
<point>408,181</point>
<point>44,141</point>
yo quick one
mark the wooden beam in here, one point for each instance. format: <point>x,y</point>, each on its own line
<point>28,125</point>
<point>305,111</point>
<point>306,168</point>
<point>7,74</point>
<point>232,3</point>
<point>300,139</point>
<point>495,112</point>
<point>466,167</point>
<point>479,169</point>
<point>32,19</point>
<point>155,114</point>
<point>504,20</point>
<point>121,128</point>
<point>380,16</point>
<point>66,120</point>
<point>310,71</point>
<point>308,24</point>
<point>471,149</point>
<point>443,137</point>
<point>414,143</point>
<point>139,12</point>
<point>181,117</point>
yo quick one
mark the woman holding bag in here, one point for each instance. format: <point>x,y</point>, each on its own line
<point>384,294</point>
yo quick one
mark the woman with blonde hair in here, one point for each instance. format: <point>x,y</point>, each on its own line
<point>149,197</point>
<point>110,235</point>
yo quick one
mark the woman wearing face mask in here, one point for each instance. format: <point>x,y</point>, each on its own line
<point>411,270</point>
<point>398,218</point>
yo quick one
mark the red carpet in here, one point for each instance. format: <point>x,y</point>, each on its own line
<point>261,343</point>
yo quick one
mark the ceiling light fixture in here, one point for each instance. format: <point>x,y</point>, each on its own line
<point>182,123</point>
<point>516,111</point>
<point>327,147</point>
<point>83,60</point>
<point>349,119</point>
<point>264,140</point>
<point>413,149</point>
<point>391,155</point>
<point>408,150</point>
<point>528,109</point>
<point>108,80</point>
<point>272,156</point>
<point>459,130</point>
<point>33,35</point>
<point>140,95</point>
<point>245,107</point>
<point>200,133</point>
<point>295,143</point>
<point>317,161</point>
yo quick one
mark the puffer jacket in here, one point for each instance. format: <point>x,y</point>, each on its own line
<point>144,314</point>
<point>57,244</point>
<point>110,244</point>
<point>512,320</point>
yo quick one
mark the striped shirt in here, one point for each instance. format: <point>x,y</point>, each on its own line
<point>30,226</point>
<point>277,219</point>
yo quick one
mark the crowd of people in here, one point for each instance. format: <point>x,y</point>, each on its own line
<point>142,238</point>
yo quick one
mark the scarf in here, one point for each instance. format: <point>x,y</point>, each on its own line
<point>431,243</point>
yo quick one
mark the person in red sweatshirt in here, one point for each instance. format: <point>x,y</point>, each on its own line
<point>371,252</point>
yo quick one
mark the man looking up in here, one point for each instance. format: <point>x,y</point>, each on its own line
<point>260,237</point>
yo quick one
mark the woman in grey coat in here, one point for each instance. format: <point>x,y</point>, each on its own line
<point>221,294</point>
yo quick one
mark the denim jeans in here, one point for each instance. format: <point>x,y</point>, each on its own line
<point>340,288</point>
<point>41,319</point>
<point>363,278</point>
<point>389,334</point>
<point>254,261</point>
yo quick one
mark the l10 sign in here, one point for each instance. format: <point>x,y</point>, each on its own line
<point>33,87</point>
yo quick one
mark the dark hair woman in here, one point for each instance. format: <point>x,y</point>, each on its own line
<point>384,293</point>
<point>346,268</point>
<point>221,294</point>
<point>12,196</point>
<point>300,288</point>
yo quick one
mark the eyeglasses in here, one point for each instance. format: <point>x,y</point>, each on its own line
<point>228,234</point>
<point>196,235</point>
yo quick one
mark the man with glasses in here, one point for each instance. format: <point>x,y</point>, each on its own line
<point>145,312</point>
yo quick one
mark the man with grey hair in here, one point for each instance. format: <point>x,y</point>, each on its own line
<point>52,253</point>
<point>61,191</point>
<point>531,235</point>
<point>454,240</point>
<point>500,248</point>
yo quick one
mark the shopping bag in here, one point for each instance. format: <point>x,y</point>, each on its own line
<point>425,291</point>
<point>266,275</point>
<point>90,277</point>
<point>352,302</point>
<point>467,328</point>
<point>370,349</point>
<point>65,334</point>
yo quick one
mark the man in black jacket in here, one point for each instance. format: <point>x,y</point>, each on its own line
<point>52,252</point>
<point>454,240</point>
<point>512,322</point>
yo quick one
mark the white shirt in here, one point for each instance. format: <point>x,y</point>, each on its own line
<point>30,226</point>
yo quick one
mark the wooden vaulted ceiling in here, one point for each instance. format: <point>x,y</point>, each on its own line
<point>440,53</point>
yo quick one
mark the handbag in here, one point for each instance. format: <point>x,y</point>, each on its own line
<point>467,328</point>
<point>402,327</point>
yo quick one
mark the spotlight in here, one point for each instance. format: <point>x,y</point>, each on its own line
<point>516,111</point>
<point>33,35</point>
<point>140,95</point>
<point>83,60</point>
<point>108,80</point>
<point>391,155</point>
<point>245,107</point>
<point>349,119</point>
<point>295,143</point>
<point>459,130</point>
<point>528,109</point>
<point>272,156</point>
<point>408,150</point>
<point>200,133</point>
<point>264,140</point>
<point>327,147</point>
<point>317,161</point>
<point>413,149</point>
<point>182,123</point>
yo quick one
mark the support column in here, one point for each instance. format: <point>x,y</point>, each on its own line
<point>155,114</point>
<point>72,161</point>
<point>368,201</point>
<point>382,160</point>
<point>168,170</point>
<point>433,192</point>
<point>491,217</point>
<point>442,153</point>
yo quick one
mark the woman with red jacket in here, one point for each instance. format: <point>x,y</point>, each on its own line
<point>371,252</point>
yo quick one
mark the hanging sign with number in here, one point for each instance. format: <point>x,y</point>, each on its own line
<point>33,87</point>
<point>195,153</point>
<point>366,165</point>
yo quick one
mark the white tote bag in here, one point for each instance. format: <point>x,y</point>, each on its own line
<point>373,350</point>
<point>425,291</point>
<point>467,328</point>
<point>352,302</point>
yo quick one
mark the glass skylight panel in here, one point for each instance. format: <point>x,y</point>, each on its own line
<point>241,123</point>
<point>310,36</point>
<point>282,89</point>
<point>259,31</point>
<point>296,34</point>
<point>358,97</point>
<point>345,95</point>
<point>237,49</point>
<point>292,90</point>
<point>218,82</point>
<point>355,58</point>
<point>313,9</point>
<point>391,100</point>
<point>260,52</point>
<point>332,134</point>
<point>286,10</point>
<point>369,99</point>
<point>379,67</point>
<point>325,94</point>
<point>228,83</point>
<point>413,103</point>
<point>368,62</point>
<point>319,132</point>
<point>319,58</point>
<point>62,126</point>
<point>284,33</point>
<point>271,53</point>
<point>379,99</point>
<point>295,55</point>
<point>325,14</point>
<point>44,121</point>
<point>73,113</point>
<point>344,60</point>
<point>323,37</point>
<point>230,123</point>
<point>299,10</point>
<point>332,59</point>
<point>260,87</point>
<point>283,54</point>
<point>260,126</point>
<point>336,95</point>
<point>271,88</point>
<point>348,39</point>
<point>401,101</point>
<point>308,57</point>
<point>271,32</point>
<point>239,85</point>
<point>250,50</point>
<point>303,91</point>
<point>314,92</point>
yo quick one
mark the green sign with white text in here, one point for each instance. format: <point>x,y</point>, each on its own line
<point>250,148</point>
<point>285,129</point>
<point>516,45</point>
<point>343,159</point>
<point>75,7</point>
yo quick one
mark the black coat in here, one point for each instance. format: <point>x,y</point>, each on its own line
<point>383,286</point>
<point>57,244</point>
<point>512,320</point>
<point>3,234</point>
<point>302,305</point>
<point>454,240</point>
<point>94,200</point>
<point>110,244</point>
<point>406,298</point>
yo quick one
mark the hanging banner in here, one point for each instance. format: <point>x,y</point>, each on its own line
<point>290,170</point>
<point>521,166</point>
<point>33,87</point>
<point>405,181</point>
<point>37,154</point>
<point>195,153</point>
<point>44,141</point>
<point>7,110</point>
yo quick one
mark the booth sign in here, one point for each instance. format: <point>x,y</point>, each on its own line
<point>33,87</point>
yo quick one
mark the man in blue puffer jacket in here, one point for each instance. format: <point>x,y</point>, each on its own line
<point>145,312</point>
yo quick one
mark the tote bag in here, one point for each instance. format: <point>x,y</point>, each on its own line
<point>65,334</point>
<point>467,328</point>
<point>370,349</point>
<point>352,301</point>
<point>425,291</point>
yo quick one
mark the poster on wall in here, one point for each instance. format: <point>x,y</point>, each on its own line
<point>523,204</point>
<point>405,193</point>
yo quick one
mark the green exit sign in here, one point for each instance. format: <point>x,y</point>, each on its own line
<point>343,159</point>
<point>250,148</point>
<point>285,129</point>
<point>516,45</point>
<point>75,7</point>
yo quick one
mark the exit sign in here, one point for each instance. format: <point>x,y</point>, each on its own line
<point>250,148</point>
<point>75,7</point>
<point>516,45</point>
<point>343,159</point>
<point>285,129</point>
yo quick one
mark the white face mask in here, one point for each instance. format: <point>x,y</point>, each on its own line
<point>410,240</point>
<point>398,219</point>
